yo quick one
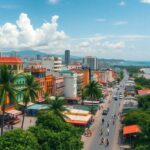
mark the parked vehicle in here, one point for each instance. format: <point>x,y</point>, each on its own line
<point>105,111</point>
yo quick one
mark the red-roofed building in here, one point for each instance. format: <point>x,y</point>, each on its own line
<point>14,63</point>
<point>131,129</point>
<point>143,92</point>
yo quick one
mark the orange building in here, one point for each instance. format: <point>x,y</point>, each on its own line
<point>85,73</point>
<point>53,85</point>
<point>96,75</point>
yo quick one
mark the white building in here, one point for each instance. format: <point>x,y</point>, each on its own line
<point>52,64</point>
<point>75,66</point>
<point>70,83</point>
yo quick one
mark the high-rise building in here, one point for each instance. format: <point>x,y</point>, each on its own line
<point>90,62</point>
<point>67,57</point>
<point>52,64</point>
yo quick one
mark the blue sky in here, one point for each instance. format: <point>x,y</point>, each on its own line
<point>104,28</point>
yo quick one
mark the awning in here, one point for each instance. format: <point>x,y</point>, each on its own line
<point>29,104</point>
<point>40,100</point>
<point>14,112</point>
<point>131,129</point>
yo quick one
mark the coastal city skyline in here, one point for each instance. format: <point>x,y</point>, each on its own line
<point>107,29</point>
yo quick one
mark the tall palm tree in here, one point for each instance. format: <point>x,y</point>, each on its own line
<point>56,106</point>
<point>29,92</point>
<point>92,91</point>
<point>7,89</point>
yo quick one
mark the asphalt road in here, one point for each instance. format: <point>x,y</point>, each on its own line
<point>113,129</point>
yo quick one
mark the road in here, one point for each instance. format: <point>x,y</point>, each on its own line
<point>93,143</point>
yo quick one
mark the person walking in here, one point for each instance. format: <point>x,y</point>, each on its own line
<point>103,121</point>
<point>107,124</point>
<point>107,131</point>
<point>101,132</point>
<point>102,141</point>
<point>107,142</point>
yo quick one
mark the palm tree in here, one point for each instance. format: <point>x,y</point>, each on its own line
<point>56,106</point>
<point>46,96</point>
<point>92,91</point>
<point>8,89</point>
<point>29,92</point>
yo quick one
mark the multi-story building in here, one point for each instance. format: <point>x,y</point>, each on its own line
<point>67,57</point>
<point>85,73</point>
<point>14,63</point>
<point>96,75</point>
<point>70,83</point>
<point>75,66</point>
<point>90,62</point>
<point>45,81</point>
<point>80,84</point>
<point>52,64</point>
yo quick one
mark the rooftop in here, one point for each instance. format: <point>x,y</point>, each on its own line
<point>11,60</point>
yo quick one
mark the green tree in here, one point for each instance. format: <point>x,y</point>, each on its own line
<point>29,92</point>
<point>7,89</point>
<point>56,106</point>
<point>93,91</point>
<point>54,134</point>
<point>18,139</point>
<point>46,96</point>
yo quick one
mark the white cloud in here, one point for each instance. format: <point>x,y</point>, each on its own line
<point>48,38</point>
<point>119,23</point>
<point>53,1</point>
<point>145,1</point>
<point>23,35</point>
<point>122,3</point>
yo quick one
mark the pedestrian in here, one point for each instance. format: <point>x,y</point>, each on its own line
<point>113,121</point>
<point>107,142</point>
<point>103,121</point>
<point>107,131</point>
<point>101,132</point>
<point>102,141</point>
<point>107,124</point>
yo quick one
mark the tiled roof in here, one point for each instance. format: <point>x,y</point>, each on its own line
<point>143,92</point>
<point>131,129</point>
<point>11,60</point>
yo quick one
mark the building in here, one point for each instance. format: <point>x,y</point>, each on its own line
<point>14,63</point>
<point>107,75</point>
<point>85,73</point>
<point>80,84</point>
<point>70,83</point>
<point>96,75</point>
<point>45,81</point>
<point>74,66</point>
<point>67,57</point>
<point>52,64</point>
<point>90,62</point>
<point>58,86</point>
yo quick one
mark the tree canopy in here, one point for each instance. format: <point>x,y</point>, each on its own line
<point>18,139</point>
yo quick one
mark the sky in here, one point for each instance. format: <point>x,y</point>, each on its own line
<point>116,29</point>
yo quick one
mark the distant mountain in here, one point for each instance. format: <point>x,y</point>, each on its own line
<point>26,53</point>
<point>31,53</point>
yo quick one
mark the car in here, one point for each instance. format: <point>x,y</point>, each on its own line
<point>101,100</point>
<point>105,111</point>
<point>115,98</point>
